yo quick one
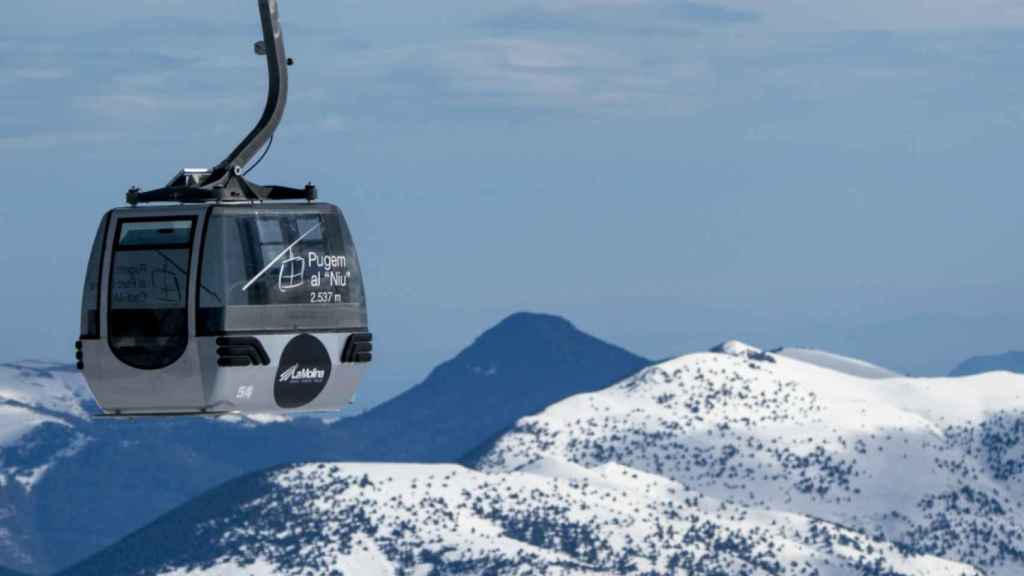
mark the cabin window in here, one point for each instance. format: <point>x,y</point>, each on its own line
<point>91,293</point>
<point>279,269</point>
<point>148,318</point>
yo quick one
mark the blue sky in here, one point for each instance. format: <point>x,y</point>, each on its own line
<point>666,174</point>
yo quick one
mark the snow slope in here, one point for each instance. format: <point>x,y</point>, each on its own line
<point>550,518</point>
<point>45,385</point>
<point>934,465</point>
<point>58,467</point>
<point>844,364</point>
<point>738,463</point>
<point>34,397</point>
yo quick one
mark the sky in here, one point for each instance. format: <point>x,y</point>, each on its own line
<point>666,174</point>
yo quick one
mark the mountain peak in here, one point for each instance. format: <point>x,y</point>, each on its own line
<point>521,322</point>
<point>742,350</point>
<point>736,348</point>
<point>527,338</point>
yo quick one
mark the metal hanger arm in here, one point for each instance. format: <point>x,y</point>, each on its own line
<point>277,93</point>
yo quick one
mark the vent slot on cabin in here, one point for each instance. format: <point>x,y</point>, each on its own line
<point>358,349</point>
<point>241,351</point>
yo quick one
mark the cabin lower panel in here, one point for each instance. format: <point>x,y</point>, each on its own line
<point>299,372</point>
<point>305,373</point>
<point>122,388</point>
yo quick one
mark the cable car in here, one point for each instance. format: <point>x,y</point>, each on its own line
<point>216,295</point>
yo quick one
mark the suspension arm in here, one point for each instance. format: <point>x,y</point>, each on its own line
<point>277,93</point>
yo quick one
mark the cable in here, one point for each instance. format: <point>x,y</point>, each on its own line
<point>262,156</point>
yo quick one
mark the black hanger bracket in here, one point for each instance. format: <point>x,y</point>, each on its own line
<point>226,181</point>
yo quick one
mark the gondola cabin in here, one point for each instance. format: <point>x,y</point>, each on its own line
<point>219,308</point>
<point>216,295</point>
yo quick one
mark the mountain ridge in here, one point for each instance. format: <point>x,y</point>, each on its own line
<point>738,462</point>
<point>486,387</point>
<point>77,485</point>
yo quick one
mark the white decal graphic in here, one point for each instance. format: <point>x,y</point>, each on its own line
<point>292,273</point>
<point>289,280</point>
<point>244,393</point>
<point>301,374</point>
<point>287,374</point>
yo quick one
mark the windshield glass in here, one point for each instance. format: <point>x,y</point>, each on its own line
<point>148,320</point>
<point>279,268</point>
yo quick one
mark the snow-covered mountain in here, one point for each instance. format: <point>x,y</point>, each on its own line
<point>71,485</point>
<point>935,466</point>
<point>739,462</point>
<point>39,399</point>
<point>548,518</point>
<point>42,412</point>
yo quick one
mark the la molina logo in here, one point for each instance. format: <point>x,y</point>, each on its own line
<point>302,375</point>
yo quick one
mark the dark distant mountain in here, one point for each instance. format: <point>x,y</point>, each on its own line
<point>1008,362</point>
<point>520,366</point>
<point>71,485</point>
